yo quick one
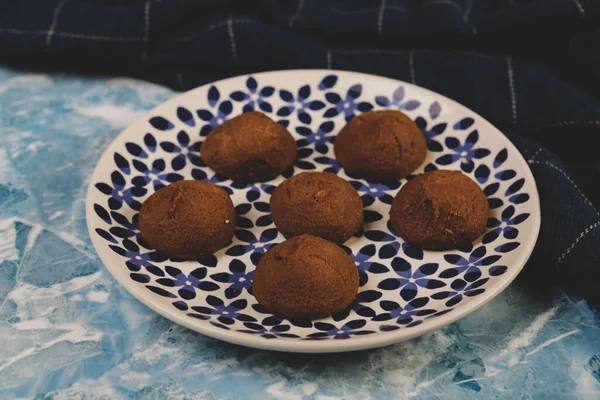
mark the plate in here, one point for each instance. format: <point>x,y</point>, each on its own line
<point>404,291</point>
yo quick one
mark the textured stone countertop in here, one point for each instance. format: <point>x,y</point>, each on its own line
<point>69,331</point>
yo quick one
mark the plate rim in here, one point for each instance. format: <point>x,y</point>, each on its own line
<point>307,346</point>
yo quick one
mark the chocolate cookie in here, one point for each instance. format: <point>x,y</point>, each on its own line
<point>249,148</point>
<point>319,204</point>
<point>440,210</point>
<point>305,277</point>
<point>380,146</point>
<point>188,219</point>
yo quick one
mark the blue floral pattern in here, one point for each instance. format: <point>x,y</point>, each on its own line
<point>361,258</point>
<point>401,285</point>
<point>431,133</point>
<point>330,164</point>
<point>320,138</point>
<point>256,246</point>
<point>407,315</point>
<point>217,114</point>
<point>187,283</point>
<point>370,191</point>
<point>136,259</point>
<point>127,229</point>
<point>460,289</point>
<point>268,332</point>
<point>397,101</point>
<point>409,279</point>
<point>348,105</point>
<point>226,313</point>
<point>506,225</point>
<point>299,103</point>
<point>471,266</point>
<point>346,331</point>
<point>154,174</point>
<point>254,97</point>
<point>238,278</point>
<point>463,152</point>
<point>118,194</point>
<point>185,150</point>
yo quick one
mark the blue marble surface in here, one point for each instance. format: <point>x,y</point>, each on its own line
<point>69,331</point>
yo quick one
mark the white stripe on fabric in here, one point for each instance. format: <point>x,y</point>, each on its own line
<point>232,40</point>
<point>563,173</point>
<point>581,236</point>
<point>380,16</point>
<point>52,29</point>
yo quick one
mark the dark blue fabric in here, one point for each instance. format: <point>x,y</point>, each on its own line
<point>532,67</point>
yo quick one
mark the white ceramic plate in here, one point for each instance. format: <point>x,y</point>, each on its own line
<point>404,290</point>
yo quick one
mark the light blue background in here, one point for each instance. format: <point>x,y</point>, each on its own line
<point>68,330</point>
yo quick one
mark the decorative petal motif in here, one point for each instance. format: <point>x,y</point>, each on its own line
<point>401,286</point>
